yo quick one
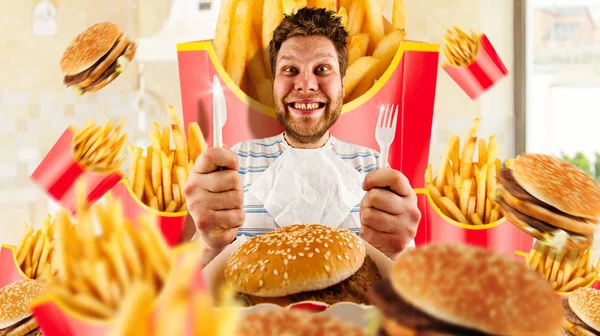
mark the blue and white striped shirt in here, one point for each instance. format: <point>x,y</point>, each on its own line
<point>255,156</point>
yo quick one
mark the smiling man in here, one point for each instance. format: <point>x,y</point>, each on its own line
<point>259,185</point>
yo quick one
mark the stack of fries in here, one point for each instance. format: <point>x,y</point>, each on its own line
<point>36,249</point>
<point>463,189</point>
<point>98,149</point>
<point>158,178</point>
<point>245,28</point>
<point>565,269</point>
<point>174,305</point>
<point>461,48</point>
<point>95,270</point>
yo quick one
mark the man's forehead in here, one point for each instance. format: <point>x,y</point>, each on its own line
<point>303,47</point>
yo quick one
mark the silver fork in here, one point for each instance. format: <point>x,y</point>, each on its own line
<point>385,131</point>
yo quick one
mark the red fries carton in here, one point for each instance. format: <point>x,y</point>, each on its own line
<point>409,82</point>
<point>55,319</point>
<point>58,171</point>
<point>10,272</point>
<point>481,74</point>
<point>171,223</point>
<point>435,227</point>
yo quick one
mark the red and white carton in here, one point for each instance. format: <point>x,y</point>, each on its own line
<point>171,224</point>
<point>55,319</point>
<point>435,227</point>
<point>59,170</point>
<point>482,74</point>
<point>10,272</point>
<point>409,82</point>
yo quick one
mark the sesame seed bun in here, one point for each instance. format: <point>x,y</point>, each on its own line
<point>88,47</point>
<point>294,259</point>
<point>478,289</point>
<point>292,322</point>
<point>559,183</point>
<point>585,303</point>
<point>15,300</point>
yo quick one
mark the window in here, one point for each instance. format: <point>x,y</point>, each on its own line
<point>562,86</point>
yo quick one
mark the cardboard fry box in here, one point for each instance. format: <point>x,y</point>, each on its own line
<point>482,74</point>
<point>435,227</point>
<point>58,172</point>
<point>55,319</point>
<point>171,223</point>
<point>214,273</point>
<point>594,283</point>
<point>10,272</point>
<point>409,82</point>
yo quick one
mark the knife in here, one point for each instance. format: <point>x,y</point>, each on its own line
<point>219,112</point>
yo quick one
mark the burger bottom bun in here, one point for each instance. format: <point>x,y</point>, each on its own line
<point>585,303</point>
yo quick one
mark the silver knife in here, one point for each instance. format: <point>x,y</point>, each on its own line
<point>219,112</point>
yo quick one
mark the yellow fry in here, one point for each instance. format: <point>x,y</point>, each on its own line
<point>166,178</point>
<point>476,219</point>
<point>160,199</point>
<point>466,162</point>
<point>171,207</point>
<point>165,139</point>
<point>454,211</point>
<point>356,18</point>
<point>180,145</point>
<point>481,191</point>
<point>441,173</point>
<point>140,178</point>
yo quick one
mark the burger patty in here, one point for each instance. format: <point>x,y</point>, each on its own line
<point>10,329</point>
<point>533,222</point>
<point>354,289</point>
<point>511,185</point>
<point>396,308</point>
<point>571,317</point>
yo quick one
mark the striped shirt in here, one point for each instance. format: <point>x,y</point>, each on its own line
<point>255,156</point>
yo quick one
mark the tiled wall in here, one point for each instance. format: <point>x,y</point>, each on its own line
<point>35,108</point>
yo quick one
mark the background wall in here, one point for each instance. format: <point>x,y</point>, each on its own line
<point>35,108</point>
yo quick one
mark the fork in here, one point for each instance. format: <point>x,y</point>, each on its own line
<point>385,131</point>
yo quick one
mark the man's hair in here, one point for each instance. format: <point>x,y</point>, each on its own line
<point>311,22</point>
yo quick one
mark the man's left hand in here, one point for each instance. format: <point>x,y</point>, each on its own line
<point>389,214</point>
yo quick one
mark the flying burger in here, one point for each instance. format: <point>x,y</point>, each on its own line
<point>302,262</point>
<point>452,289</point>
<point>582,309</point>
<point>290,322</point>
<point>96,57</point>
<point>551,200</point>
<point>15,317</point>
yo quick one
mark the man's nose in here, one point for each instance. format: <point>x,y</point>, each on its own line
<point>306,82</point>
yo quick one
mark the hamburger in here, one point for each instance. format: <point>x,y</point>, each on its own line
<point>96,57</point>
<point>15,317</point>
<point>302,263</point>
<point>551,200</point>
<point>291,322</point>
<point>451,289</point>
<point>582,310</point>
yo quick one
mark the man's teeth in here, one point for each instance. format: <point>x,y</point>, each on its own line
<point>302,106</point>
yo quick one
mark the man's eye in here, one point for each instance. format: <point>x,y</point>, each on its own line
<point>322,68</point>
<point>290,69</point>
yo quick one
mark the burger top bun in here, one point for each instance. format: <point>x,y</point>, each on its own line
<point>15,299</point>
<point>277,322</point>
<point>293,259</point>
<point>585,303</point>
<point>88,47</point>
<point>558,183</point>
<point>477,288</point>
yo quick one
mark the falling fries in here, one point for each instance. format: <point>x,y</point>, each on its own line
<point>158,178</point>
<point>34,251</point>
<point>100,257</point>
<point>99,148</point>
<point>460,48</point>
<point>566,270</point>
<point>468,187</point>
<point>245,28</point>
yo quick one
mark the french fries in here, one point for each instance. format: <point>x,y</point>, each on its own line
<point>34,251</point>
<point>245,29</point>
<point>460,48</point>
<point>95,270</point>
<point>566,270</point>
<point>99,148</point>
<point>158,178</point>
<point>468,187</point>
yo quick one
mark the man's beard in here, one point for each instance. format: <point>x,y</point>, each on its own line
<point>291,124</point>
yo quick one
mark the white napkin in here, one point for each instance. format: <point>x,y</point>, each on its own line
<point>309,186</point>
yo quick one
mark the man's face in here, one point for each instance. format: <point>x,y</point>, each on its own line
<point>307,88</point>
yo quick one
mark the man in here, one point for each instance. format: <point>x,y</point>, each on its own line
<point>308,58</point>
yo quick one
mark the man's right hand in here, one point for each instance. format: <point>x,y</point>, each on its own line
<point>215,197</point>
